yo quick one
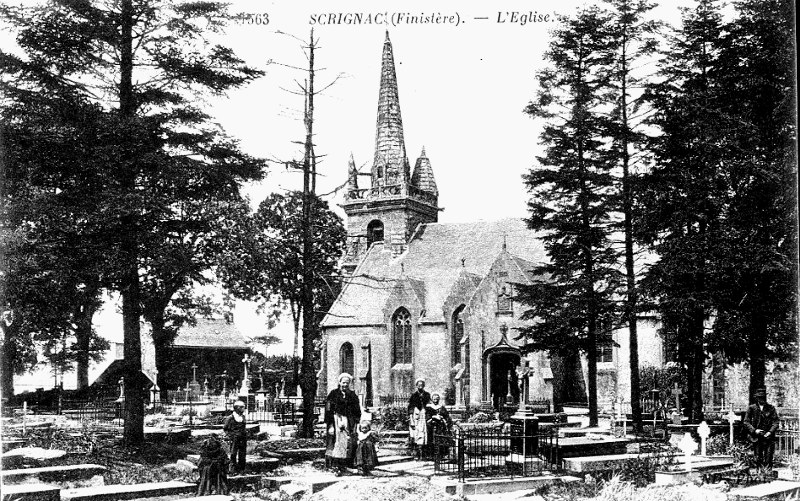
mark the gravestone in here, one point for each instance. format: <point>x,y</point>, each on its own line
<point>704,431</point>
<point>688,446</point>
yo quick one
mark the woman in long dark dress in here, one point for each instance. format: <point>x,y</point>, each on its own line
<point>417,422</point>
<point>342,415</point>
<point>213,468</point>
<point>439,423</point>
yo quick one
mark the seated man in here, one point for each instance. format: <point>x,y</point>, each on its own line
<point>761,423</point>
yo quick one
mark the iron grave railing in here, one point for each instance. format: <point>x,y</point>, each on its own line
<point>494,450</point>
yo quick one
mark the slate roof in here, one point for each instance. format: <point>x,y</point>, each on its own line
<point>434,258</point>
<point>211,333</point>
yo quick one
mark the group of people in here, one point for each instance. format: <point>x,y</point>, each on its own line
<point>214,463</point>
<point>350,441</point>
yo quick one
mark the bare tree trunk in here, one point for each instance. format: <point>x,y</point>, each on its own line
<point>133,432</point>
<point>308,373</point>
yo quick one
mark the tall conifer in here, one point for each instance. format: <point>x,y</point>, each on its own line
<point>571,195</point>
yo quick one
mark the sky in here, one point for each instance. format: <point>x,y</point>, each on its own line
<point>462,89</point>
<point>462,86</point>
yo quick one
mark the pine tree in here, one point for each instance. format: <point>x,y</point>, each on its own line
<point>685,198</point>
<point>148,64</point>
<point>572,193</point>
<point>754,288</point>
<point>633,41</point>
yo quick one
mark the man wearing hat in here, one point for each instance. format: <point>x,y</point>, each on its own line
<point>235,428</point>
<point>761,423</point>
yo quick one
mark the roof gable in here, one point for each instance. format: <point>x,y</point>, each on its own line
<point>436,256</point>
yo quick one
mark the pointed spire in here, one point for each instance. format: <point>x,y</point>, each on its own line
<point>352,174</point>
<point>423,175</point>
<point>390,148</point>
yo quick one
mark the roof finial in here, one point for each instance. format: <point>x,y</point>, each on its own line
<point>423,152</point>
<point>463,260</point>
<point>387,36</point>
<point>504,241</point>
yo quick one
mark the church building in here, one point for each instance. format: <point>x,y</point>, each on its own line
<point>432,300</point>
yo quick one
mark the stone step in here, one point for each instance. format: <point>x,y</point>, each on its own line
<point>53,473</point>
<point>394,459</point>
<point>116,492</point>
<point>779,489</point>
<point>254,463</point>
<point>30,492</point>
<point>418,468</point>
<point>239,482</point>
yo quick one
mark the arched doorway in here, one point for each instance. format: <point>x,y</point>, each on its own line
<point>500,381</point>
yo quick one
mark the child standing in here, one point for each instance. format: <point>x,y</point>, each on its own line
<point>366,453</point>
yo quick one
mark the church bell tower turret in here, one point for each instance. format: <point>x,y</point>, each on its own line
<point>396,202</point>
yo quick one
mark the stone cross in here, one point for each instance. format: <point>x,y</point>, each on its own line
<point>245,386</point>
<point>732,418</point>
<point>677,392</point>
<point>704,431</point>
<point>224,383</point>
<point>194,373</point>
<point>509,397</point>
<point>687,445</point>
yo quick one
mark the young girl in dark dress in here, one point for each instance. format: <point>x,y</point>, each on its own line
<point>366,452</point>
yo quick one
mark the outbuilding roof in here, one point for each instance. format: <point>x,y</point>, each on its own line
<point>210,333</point>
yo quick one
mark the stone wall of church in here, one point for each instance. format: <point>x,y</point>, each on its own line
<point>614,378</point>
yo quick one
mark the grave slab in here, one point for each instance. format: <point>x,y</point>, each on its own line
<point>7,445</point>
<point>779,489</point>
<point>53,473</point>
<point>31,492</point>
<point>501,485</point>
<point>213,497</point>
<point>596,445</point>
<point>176,434</point>
<point>120,492</point>
<point>254,463</point>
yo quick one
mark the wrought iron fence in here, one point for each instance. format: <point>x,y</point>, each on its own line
<point>394,399</point>
<point>788,437</point>
<point>502,450</point>
<point>93,410</point>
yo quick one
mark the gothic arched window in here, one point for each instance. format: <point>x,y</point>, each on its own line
<point>346,363</point>
<point>458,334</point>
<point>374,232</point>
<point>401,337</point>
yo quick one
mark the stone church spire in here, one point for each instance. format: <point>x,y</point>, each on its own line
<point>391,164</point>
<point>423,175</point>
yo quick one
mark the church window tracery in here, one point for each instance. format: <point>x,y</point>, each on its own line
<point>346,358</point>
<point>401,337</point>
<point>457,334</point>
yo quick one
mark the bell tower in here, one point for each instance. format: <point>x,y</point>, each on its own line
<point>397,201</point>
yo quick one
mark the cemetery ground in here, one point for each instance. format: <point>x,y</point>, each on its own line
<point>55,457</point>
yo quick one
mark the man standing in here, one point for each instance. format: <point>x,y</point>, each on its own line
<point>235,428</point>
<point>761,422</point>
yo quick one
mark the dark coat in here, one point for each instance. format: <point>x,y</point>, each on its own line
<point>346,405</point>
<point>235,429</point>
<point>418,400</point>
<point>756,419</point>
